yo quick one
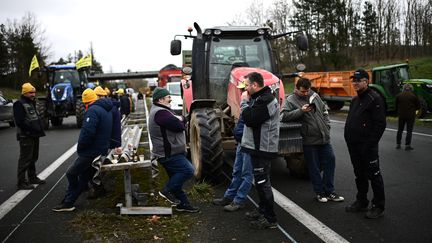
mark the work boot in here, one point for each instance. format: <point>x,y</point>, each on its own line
<point>25,186</point>
<point>222,201</point>
<point>187,208</point>
<point>262,223</point>
<point>64,207</point>
<point>374,213</point>
<point>232,207</point>
<point>37,180</point>
<point>252,215</point>
<point>408,147</point>
<point>356,206</point>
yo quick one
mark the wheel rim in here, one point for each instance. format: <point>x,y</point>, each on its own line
<point>195,148</point>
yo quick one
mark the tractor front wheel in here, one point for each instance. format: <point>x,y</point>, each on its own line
<point>423,108</point>
<point>79,112</point>
<point>206,144</point>
<point>56,121</point>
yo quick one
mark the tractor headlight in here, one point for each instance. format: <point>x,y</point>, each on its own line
<point>261,31</point>
<point>207,32</point>
<point>217,32</point>
<point>429,86</point>
<point>64,95</point>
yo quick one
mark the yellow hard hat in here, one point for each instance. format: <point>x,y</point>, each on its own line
<point>241,85</point>
<point>99,91</point>
<point>27,88</point>
<point>107,91</point>
<point>120,91</point>
<point>88,96</point>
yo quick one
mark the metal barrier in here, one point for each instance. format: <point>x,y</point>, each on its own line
<point>131,136</point>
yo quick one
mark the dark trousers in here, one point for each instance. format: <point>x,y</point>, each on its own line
<point>261,171</point>
<point>29,153</point>
<point>78,176</point>
<point>365,161</point>
<point>401,125</point>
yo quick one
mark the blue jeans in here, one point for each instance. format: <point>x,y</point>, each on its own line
<point>320,157</point>
<point>78,176</point>
<point>241,178</point>
<point>179,170</point>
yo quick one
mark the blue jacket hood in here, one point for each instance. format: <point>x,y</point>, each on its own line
<point>104,103</point>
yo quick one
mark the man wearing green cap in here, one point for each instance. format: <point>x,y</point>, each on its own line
<point>167,133</point>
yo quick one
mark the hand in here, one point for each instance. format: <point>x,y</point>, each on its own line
<point>245,96</point>
<point>306,108</point>
<point>118,150</point>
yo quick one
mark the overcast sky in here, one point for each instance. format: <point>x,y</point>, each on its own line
<point>126,34</point>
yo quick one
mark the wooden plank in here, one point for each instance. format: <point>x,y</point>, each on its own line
<point>146,210</point>
<point>126,165</point>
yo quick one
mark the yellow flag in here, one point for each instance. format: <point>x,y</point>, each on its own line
<point>33,65</point>
<point>84,62</point>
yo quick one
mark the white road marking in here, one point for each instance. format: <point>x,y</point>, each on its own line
<point>9,204</point>
<point>391,129</point>
<point>313,224</point>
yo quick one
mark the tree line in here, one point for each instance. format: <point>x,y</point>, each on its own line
<point>20,40</point>
<point>344,34</point>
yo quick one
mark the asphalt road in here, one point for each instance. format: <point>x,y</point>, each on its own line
<point>406,174</point>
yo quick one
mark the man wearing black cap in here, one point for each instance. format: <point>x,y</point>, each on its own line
<point>167,134</point>
<point>364,127</point>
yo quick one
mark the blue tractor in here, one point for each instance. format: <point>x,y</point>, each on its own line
<point>64,86</point>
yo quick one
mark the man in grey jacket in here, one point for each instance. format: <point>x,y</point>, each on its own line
<point>306,107</point>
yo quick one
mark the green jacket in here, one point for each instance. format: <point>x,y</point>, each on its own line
<point>315,128</point>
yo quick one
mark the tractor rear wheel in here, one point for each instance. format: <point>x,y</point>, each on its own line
<point>79,112</point>
<point>206,144</point>
<point>297,165</point>
<point>335,105</point>
<point>43,113</point>
<point>423,108</point>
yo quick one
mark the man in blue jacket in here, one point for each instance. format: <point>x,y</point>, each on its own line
<point>94,140</point>
<point>236,194</point>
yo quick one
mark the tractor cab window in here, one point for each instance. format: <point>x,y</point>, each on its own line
<point>403,74</point>
<point>66,76</point>
<point>226,54</point>
<point>389,80</point>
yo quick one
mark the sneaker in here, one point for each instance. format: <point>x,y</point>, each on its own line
<point>374,212</point>
<point>262,223</point>
<point>25,186</point>
<point>321,198</point>
<point>187,208</point>
<point>408,147</point>
<point>232,207</point>
<point>252,215</point>
<point>222,201</point>
<point>398,146</point>
<point>37,180</point>
<point>335,197</point>
<point>64,207</point>
<point>169,197</point>
<point>356,206</point>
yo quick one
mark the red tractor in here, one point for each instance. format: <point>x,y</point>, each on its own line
<point>169,73</point>
<point>221,57</point>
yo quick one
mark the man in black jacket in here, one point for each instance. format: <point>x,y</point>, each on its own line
<point>364,127</point>
<point>407,103</point>
<point>260,111</point>
<point>29,130</point>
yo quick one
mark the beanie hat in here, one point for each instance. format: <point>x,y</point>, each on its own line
<point>88,96</point>
<point>120,91</point>
<point>99,91</point>
<point>160,93</point>
<point>27,88</point>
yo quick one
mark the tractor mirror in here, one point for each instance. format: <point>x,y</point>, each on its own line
<point>302,42</point>
<point>175,47</point>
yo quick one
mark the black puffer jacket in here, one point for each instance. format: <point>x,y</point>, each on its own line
<point>366,119</point>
